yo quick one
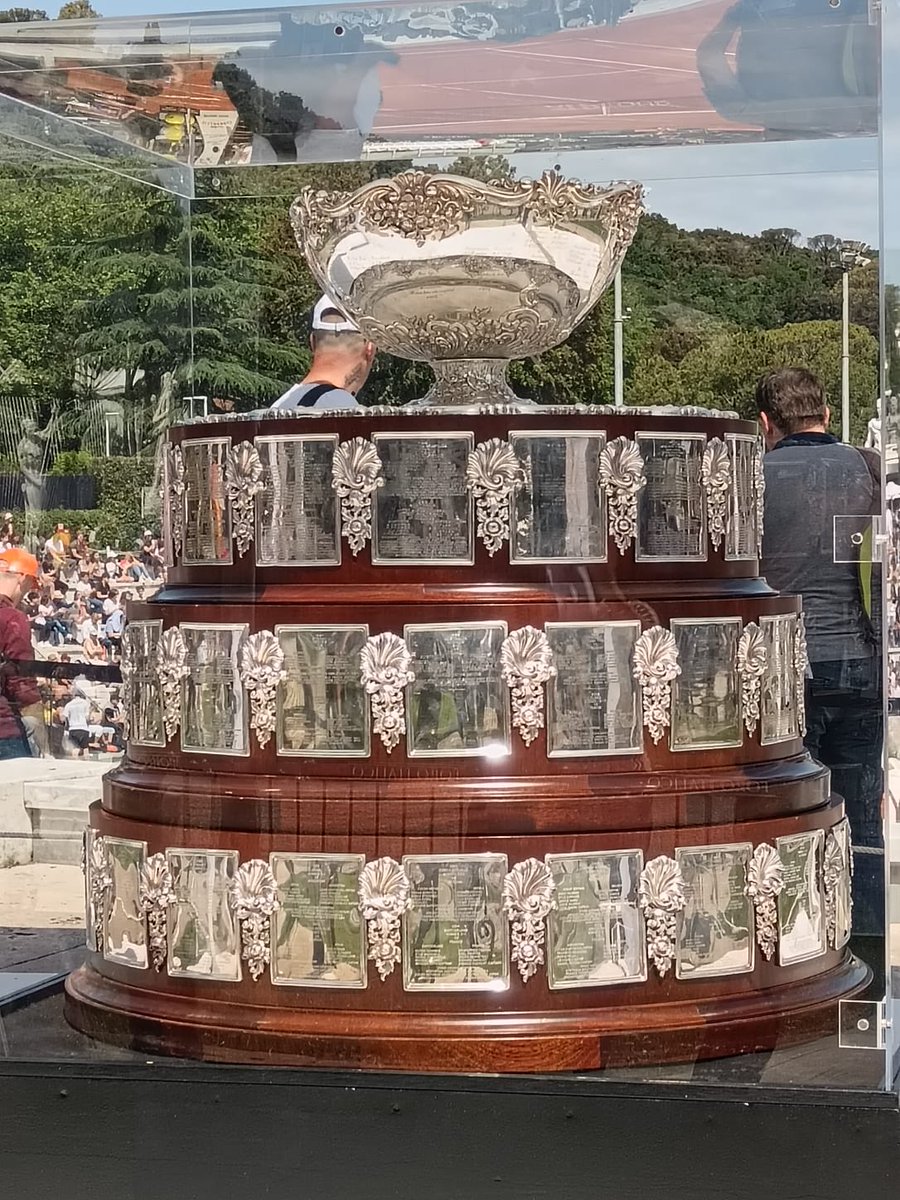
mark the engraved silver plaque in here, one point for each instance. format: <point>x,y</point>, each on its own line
<point>778,708</point>
<point>715,934</point>
<point>124,928</point>
<point>560,513</point>
<point>454,935</point>
<point>145,708</point>
<point>706,696</point>
<point>458,704</point>
<point>741,512</point>
<point>671,522</point>
<point>801,908</point>
<point>203,931</point>
<point>207,519</point>
<point>838,853</point>
<point>423,513</point>
<point>593,701</point>
<point>213,703</point>
<point>323,710</point>
<point>595,936</point>
<point>318,938</point>
<point>297,510</point>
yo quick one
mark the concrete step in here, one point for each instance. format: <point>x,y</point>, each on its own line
<point>59,814</point>
<point>30,785</point>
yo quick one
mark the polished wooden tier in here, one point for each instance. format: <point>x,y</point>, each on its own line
<point>710,858</point>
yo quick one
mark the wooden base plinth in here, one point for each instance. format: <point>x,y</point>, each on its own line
<point>589,1039</point>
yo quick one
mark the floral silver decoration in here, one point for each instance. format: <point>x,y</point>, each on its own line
<point>262,669</point>
<point>493,474</point>
<point>759,493</point>
<point>385,671</point>
<point>765,881</point>
<point>355,474</point>
<point>751,665</point>
<point>156,895</point>
<point>528,899</point>
<point>655,666</point>
<point>383,899</point>
<point>661,896</point>
<point>171,667</point>
<point>177,487</point>
<point>715,472</point>
<point>801,667</point>
<point>243,479</point>
<point>99,886</point>
<point>526,662</point>
<point>621,473</point>
<point>254,899</point>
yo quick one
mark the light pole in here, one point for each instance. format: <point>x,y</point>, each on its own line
<point>853,254</point>
<point>620,316</point>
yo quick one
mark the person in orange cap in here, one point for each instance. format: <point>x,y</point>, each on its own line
<point>18,695</point>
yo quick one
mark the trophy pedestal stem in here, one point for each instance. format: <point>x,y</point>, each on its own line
<point>460,382</point>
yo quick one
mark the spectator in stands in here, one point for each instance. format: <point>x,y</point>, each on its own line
<point>113,627</point>
<point>57,544</point>
<point>75,716</point>
<point>20,699</point>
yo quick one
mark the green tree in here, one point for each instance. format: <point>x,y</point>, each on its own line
<point>75,10</point>
<point>18,16</point>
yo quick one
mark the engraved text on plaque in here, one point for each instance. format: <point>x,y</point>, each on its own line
<point>317,938</point>
<point>322,705</point>
<point>297,510</point>
<point>593,701</point>
<point>559,513</point>
<point>458,703</point>
<point>595,936</point>
<point>716,926</point>
<point>455,936</point>
<point>671,524</point>
<point>423,513</point>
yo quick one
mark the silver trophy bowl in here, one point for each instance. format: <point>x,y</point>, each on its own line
<point>466,275</point>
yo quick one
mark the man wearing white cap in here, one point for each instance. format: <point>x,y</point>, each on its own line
<point>341,362</point>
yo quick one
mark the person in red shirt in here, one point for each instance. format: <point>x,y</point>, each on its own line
<point>18,695</point>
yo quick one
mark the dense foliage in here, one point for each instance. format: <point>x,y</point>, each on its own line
<point>103,276</point>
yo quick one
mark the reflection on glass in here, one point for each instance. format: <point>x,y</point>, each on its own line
<point>207,519</point>
<point>560,512</point>
<point>309,84</point>
<point>317,937</point>
<point>706,706</point>
<point>423,513</point>
<point>145,716</point>
<point>124,929</point>
<point>595,936</point>
<point>213,705</point>
<point>801,909</point>
<point>779,717</point>
<point>203,934</point>
<point>296,512</point>
<point>458,704</point>
<point>716,929</point>
<point>671,524</point>
<point>454,936</point>
<point>322,706</point>
<point>593,702</point>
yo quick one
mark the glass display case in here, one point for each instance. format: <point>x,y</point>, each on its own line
<point>522,715</point>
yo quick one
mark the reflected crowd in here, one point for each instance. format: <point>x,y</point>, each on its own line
<point>76,615</point>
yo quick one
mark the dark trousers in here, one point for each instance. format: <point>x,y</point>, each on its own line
<point>845,732</point>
